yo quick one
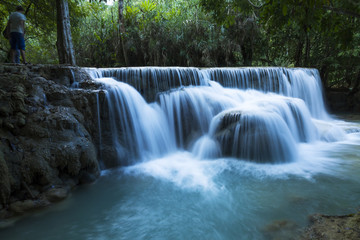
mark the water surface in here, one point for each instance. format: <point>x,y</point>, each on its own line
<point>182,197</point>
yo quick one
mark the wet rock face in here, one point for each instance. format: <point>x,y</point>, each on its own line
<point>252,137</point>
<point>46,134</point>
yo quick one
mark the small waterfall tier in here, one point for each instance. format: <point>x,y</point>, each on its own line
<point>293,82</point>
<point>252,114</point>
<point>150,80</point>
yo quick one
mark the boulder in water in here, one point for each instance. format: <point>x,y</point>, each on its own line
<point>57,194</point>
<point>254,136</point>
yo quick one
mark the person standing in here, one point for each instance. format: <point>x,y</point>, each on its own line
<point>17,30</point>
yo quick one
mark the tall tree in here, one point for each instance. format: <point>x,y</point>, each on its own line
<point>121,31</point>
<point>64,40</point>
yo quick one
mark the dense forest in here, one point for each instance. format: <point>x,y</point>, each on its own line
<point>322,34</point>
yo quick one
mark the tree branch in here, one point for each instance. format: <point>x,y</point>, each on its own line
<point>341,11</point>
<point>257,7</point>
<point>28,8</point>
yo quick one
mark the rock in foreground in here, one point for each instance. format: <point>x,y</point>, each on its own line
<point>333,227</point>
<point>46,129</point>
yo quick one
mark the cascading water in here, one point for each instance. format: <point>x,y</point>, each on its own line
<point>149,81</point>
<point>137,129</point>
<point>300,83</point>
<point>256,114</point>
<point>221,154</point>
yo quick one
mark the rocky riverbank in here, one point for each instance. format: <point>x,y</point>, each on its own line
<point>46,129</point>
<point>324,227</point>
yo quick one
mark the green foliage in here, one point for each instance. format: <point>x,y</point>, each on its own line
<point>322,34</point>
<point>95,36</point>
<point>40,37</point>
<point>316,33</point>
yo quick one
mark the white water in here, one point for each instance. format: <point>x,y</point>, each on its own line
<point>178,183</point>
<point>182,197</point>
<point>263,117</point>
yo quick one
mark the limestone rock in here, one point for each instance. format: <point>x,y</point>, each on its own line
<point>5,188</point>
<point>46,134</point>
<point>333,227</point>
<point>20,207</point>
<point>57,194</point>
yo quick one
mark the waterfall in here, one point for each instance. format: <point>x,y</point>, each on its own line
<point>151,80</point>
<point>73,80</point>
<point>253,114</point>
<point>137,129</point>
<point>99,125</point>
<point>293,82</point>
<point>264,79</point>
<point>306,84</point>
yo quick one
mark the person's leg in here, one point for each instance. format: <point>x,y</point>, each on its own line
<point>17,56</point>
<point>22,47</point>
<point>23,56</point>
<point>13,55</point>
<point>13,45</point>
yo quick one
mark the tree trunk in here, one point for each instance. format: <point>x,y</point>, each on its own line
<point>122,31</point>
<point>298,53</point>
<point>247,52</point>
<point>307,50</point>
<point>64,40</point>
